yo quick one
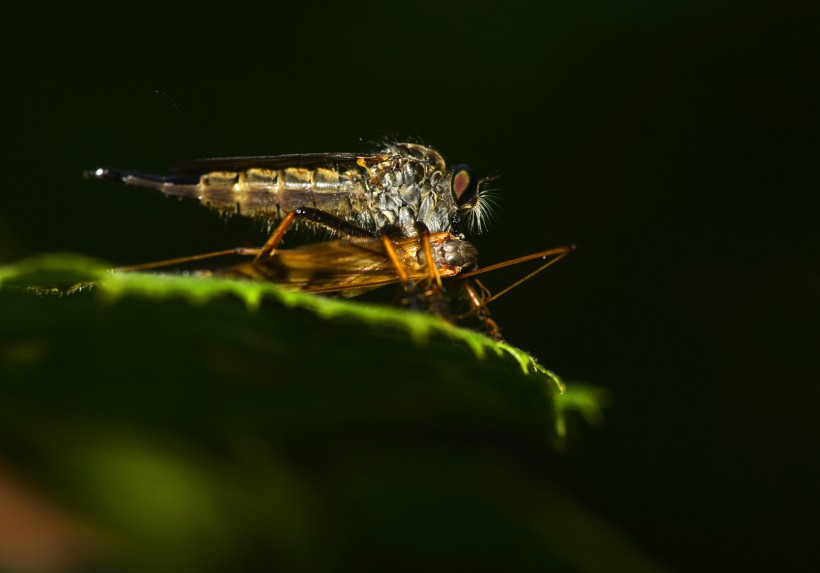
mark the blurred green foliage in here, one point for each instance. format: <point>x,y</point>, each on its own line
<point>207,424</point>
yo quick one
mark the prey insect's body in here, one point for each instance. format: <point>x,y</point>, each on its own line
<point>350,267</point>
<point>397,187</point>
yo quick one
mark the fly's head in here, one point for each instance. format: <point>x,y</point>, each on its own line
<point>472,199</point>
<point>443,199</point>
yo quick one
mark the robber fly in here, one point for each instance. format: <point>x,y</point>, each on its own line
<point>353,194</point>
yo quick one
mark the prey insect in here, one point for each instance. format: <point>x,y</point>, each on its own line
<point>353,266</point>
<point>350,267</point>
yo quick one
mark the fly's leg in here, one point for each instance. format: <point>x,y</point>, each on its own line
<point>401,268</point>
<point>275,237</point>
<point>430,297</point>
<point>479,307</point>
<point>316,216</point>
<point>342,227</point>
<point>435,288</point>
<point>433,274</point>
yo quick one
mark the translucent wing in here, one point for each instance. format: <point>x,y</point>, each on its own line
<point>351,267</point>
<point>197,167</point>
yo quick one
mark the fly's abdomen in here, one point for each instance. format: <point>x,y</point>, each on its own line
<point>261,192</point>
<point>269,192</point>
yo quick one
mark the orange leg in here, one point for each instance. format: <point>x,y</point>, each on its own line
<point>398,264</point>
<point>477,302</point>
<point>276,237</point>
<point>266,251</point>
<point>401,270</point>
<point>436,288</point>
<point>244,251</point>
<point>433,273</point>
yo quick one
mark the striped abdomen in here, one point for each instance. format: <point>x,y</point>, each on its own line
<point>261,192</point>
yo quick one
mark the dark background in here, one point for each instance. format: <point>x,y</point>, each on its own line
<point>676,146</point>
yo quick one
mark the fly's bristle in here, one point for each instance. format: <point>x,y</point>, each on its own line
<point>484,209</point>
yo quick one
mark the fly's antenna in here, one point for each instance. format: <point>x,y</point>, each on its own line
<point>188,132</point>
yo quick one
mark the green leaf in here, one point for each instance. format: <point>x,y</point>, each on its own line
<point>192,422</point>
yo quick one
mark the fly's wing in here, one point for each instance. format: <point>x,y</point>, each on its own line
<point>346,267</point>
<point>198,167</point>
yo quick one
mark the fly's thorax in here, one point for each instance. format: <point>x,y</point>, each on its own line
<point>411,184</point>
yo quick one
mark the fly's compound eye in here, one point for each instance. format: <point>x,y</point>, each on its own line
<point>464,185</point>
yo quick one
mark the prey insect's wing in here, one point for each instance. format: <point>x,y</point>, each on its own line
<point>356,265</point>
<point>346,267</point>
<point>203,166</point>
